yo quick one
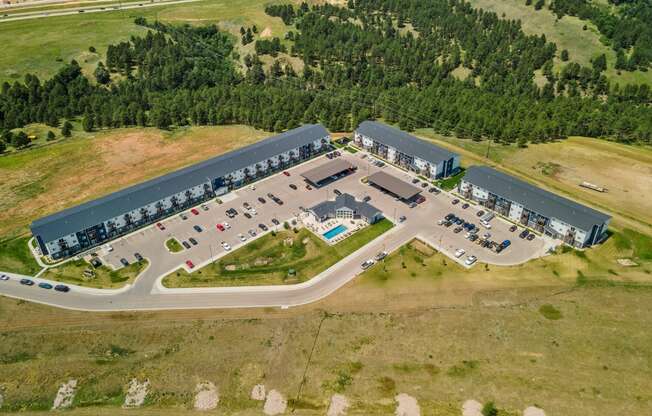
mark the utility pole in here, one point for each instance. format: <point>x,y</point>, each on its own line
<point>486,156</point>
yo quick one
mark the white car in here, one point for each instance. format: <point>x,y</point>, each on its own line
<point>4,277</point>
<point>367,264</point>
<point>459,252</point>
<point>470,260</point>
<point>381,255</point>
<point>441,222</point>
<point>486,236</point>
<point>242,237</point>
<point>109,248</point>
<point>253,211</point>
<point>226,225</point>
<point>226,246</point>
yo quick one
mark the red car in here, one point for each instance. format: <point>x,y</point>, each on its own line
<point>220,227</point>
<point>190,264</point>
<point>160,226</point>
<point>286,173</point>
<point>194,211</point>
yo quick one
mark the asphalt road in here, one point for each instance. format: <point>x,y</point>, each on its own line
<point>28,15</point>
<point>147,293</point>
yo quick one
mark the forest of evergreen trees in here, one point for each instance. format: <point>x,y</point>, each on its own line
<point>375,58</point>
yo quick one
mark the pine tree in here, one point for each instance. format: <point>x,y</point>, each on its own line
<point>66,130</point>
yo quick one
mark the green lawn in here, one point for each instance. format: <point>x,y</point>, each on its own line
<point>173,245</point>
<point>450,183</point>
<point>16,257</point>
<point>104,278</point>
<point>269,259</point>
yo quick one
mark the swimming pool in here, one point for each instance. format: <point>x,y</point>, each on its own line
<point>333,232</point>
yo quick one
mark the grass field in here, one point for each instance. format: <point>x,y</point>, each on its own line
<point>42,46</point>
<point>625,170</point>
<point>516,336</point>
<point>567,33</point>
<point>269,259</point>
<point>103,277</point>
<point>16,257</point>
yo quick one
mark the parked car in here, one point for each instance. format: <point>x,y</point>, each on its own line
<point>420,199</point>
<point>448,224</point>
<point>337,192</point>
<point>4,277</point>
<point>286,173</point>
<point>219,227</point>
<point>185,244</point>
<point>412,204</point>
<point>44,285</point>
<point>253,211</point>
<point>261,200</point>
<point>252,232</point>
<point>226,246</point>
<point>402,218</point>
<point>499,248</point>
<point>473,237</point>
<point>62,288</point>
<point>246,205</point>
<point>263,227</point>
<point>190,264</point>
<point>242,237</point>
<point>138,257</point>
<point>204,207</point>
<point>183,216</point>
<point>449,217</point>
<point>505,244</point>
<point>455,201</point>
<point>459,221</point>
<point>441,222</point>
<point>226,225</point>
<point>415,181</point>
<point>524,234</point>
<point>424,184</point>
<point>124,262</point>
<point>197,228</point>
<point>279,201</point>
<point>380,256</point>
<point>459,252</point>
<point>27,282</point>
<point>530,237</point>
<point>367,264</point>
<point>160,226</point>
<point>194,211</point>
<point>465,205</point>
<point>247,215</point>
<point>457,229</point>
<point>479,213</point>
<point>275,221</point>
<point>513,228</point>
<point>308,187</point>
<point>366,199</point>
<point>470,260</point>
<point>193,241</point>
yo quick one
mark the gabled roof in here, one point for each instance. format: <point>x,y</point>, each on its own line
<point>404,142</point>
<point>96,211</point>
<point>345,201</point>
<point>394,185</point>
<point>327,170</point>
<point>534,198</point>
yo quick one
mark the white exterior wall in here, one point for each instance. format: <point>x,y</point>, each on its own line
<point>391,154</point>
<point>480,193</point>
<point>515,212</point>
<point>53,246</point>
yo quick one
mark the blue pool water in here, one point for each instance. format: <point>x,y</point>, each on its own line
<point>333,232</point>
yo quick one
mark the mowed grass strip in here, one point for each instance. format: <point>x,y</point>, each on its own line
<point>173,245</point>
<point>288,257</point>
<point>81,273</point>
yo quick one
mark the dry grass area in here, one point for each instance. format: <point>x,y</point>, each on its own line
<point>441,338</point>
<point>560,167</point>
<point>567,33</point>
<point>50,178</point>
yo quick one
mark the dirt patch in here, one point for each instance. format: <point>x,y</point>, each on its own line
<point>339,405</point>
<point>533,411</point>
<point>136,393</point>
<point>406,405</point>
<point>262,262</point>
<point>206,397</point>
<point>65,395</point>
<point>258,392</point>
<point>230,267</point>
<point>275,404</point>
<point>627,262</point>
<point>266,33</point>
<point>472,408</point>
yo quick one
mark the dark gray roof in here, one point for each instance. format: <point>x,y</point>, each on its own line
<point>404,142</point>
<point>345,201</point>
<point>96,211</point>
<point>327,170</point>
<point>394,185</point>
<point>534,198</point>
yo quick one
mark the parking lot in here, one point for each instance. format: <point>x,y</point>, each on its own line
<point>205,242</point>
